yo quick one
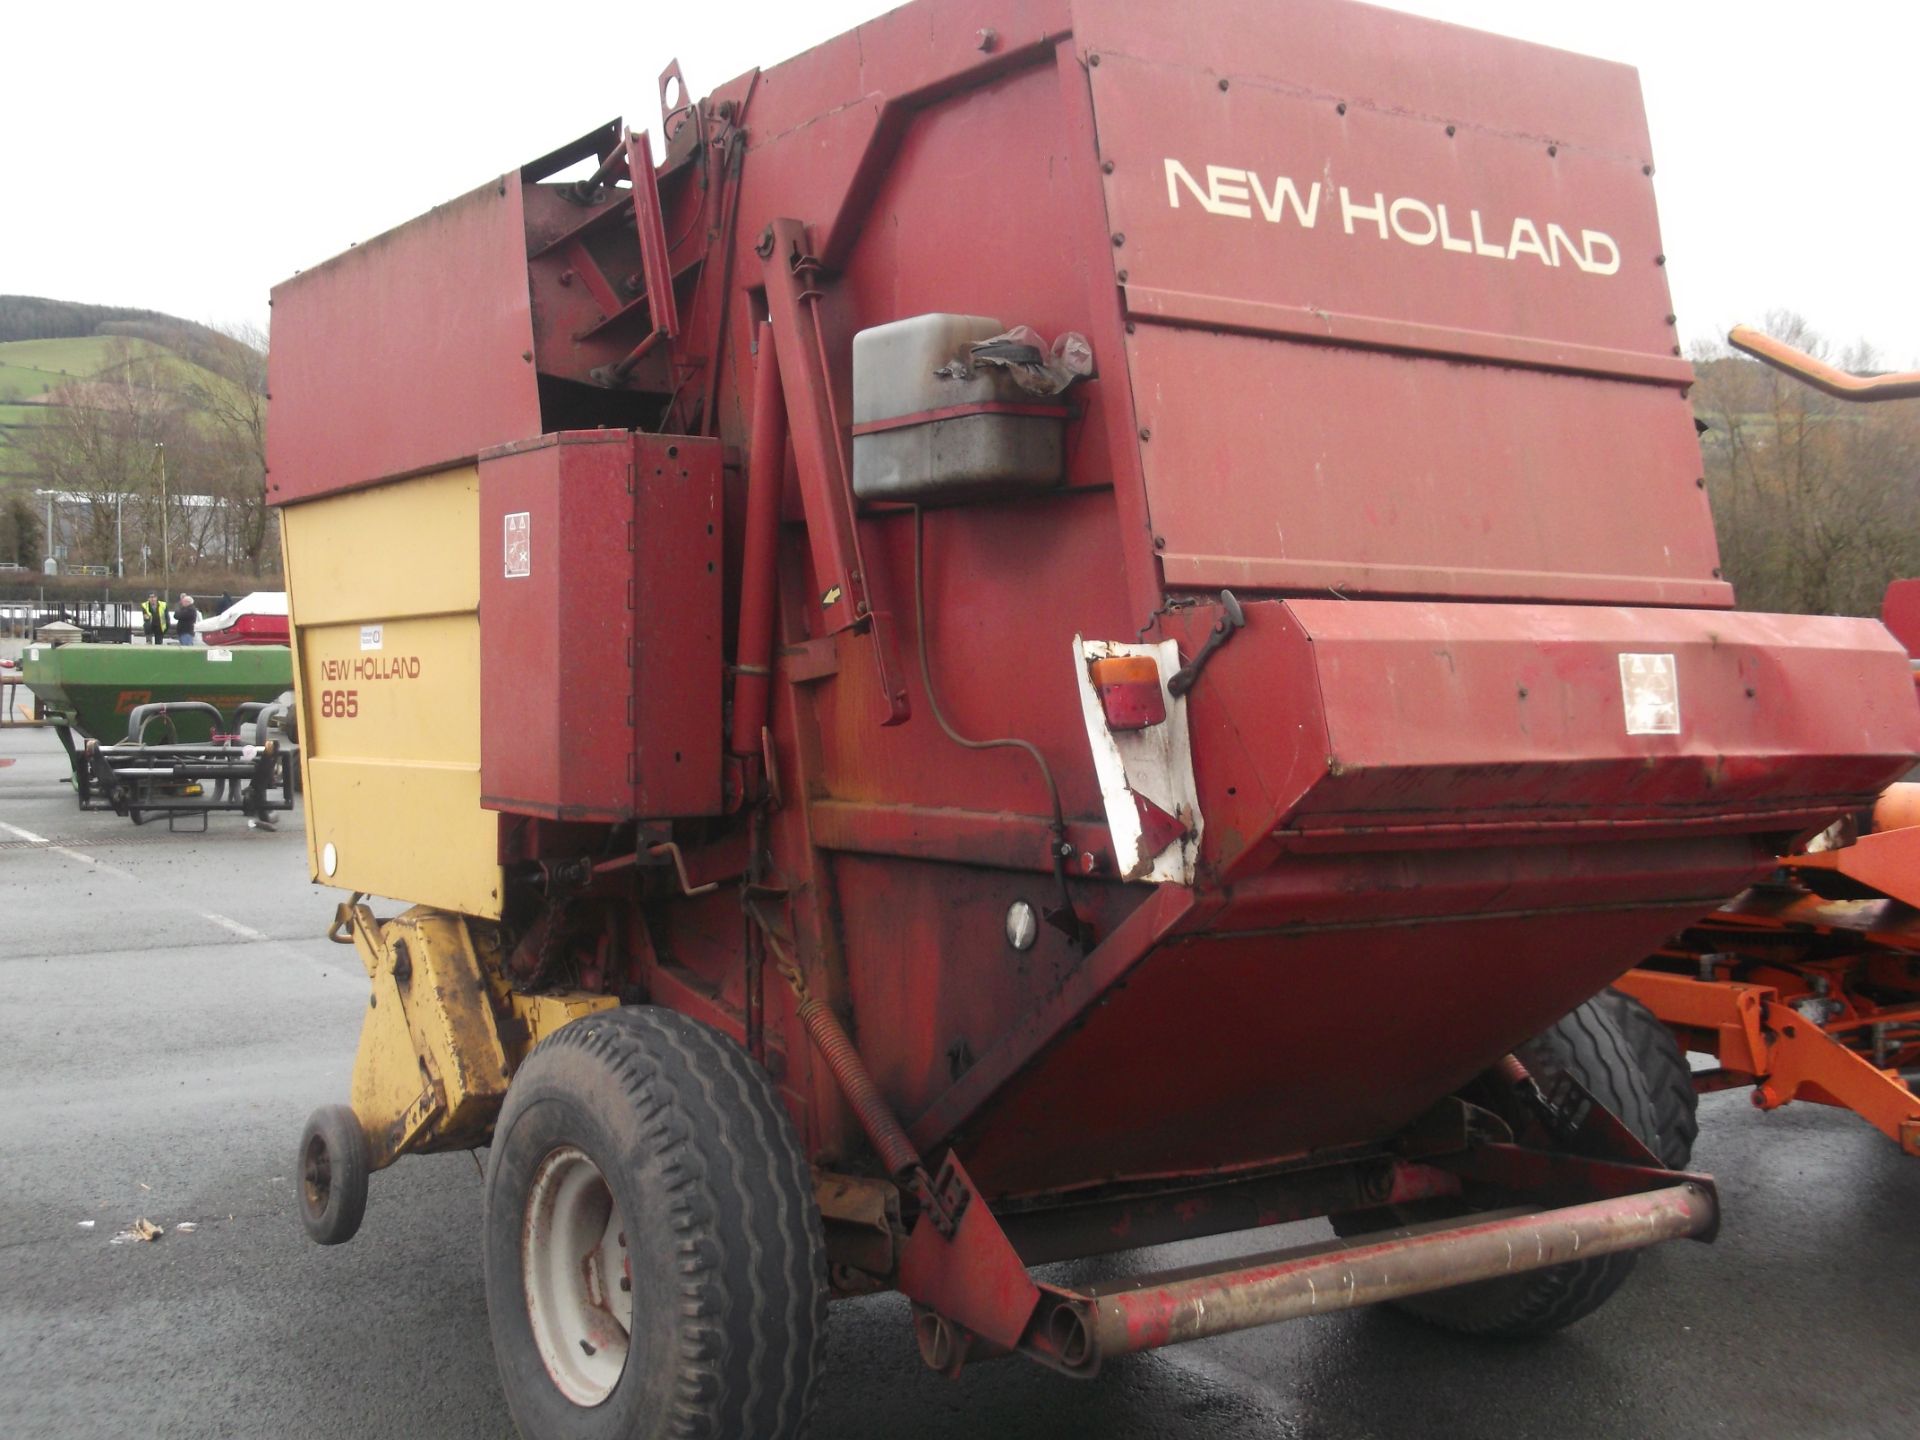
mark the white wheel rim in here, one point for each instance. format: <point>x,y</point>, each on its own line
<point>573,1261</point>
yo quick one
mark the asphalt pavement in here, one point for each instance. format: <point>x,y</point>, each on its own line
<point>170,1012</point>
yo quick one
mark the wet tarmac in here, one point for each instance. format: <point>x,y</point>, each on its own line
<point>172,1012</point>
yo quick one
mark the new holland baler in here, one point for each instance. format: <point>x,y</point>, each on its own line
<point>1051,627</point>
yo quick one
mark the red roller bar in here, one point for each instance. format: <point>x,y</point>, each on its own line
<point>1178,1306</point>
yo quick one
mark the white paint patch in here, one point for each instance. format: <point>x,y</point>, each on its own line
<point>1155,763</point>
<point>245,932</point>
<point>53,849</point>
<point>1650,694</point>
<point>100,865</point>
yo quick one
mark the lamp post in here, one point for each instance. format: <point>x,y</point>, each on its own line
<point>119,549</point>
<point>166,559</point>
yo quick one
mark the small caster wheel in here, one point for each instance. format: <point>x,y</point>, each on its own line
<point>332,1173</point>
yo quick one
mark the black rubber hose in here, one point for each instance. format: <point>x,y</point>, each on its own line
<point>1058,846</point>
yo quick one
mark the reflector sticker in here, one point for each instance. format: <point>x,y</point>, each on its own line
<point>1650,693</point>
<point>519,544</point>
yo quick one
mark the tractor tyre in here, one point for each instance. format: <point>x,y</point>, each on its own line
<point>1669,1079</point>
<point>331,1173</point>
<point>1589,1044</point>
<point>655,1262</point>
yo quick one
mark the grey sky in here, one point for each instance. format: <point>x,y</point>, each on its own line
<point>187,157</point>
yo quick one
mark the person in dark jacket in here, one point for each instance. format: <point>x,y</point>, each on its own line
<point>153,617</point>
<point>185,619</point>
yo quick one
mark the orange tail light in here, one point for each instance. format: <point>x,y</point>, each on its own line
<point>1130,691</point>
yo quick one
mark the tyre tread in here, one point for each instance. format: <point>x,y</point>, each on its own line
<point>1669,1079</point>
<point>1592,1045</point>
<point>750,1252</point>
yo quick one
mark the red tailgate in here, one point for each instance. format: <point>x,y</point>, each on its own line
<point>1399,319</point>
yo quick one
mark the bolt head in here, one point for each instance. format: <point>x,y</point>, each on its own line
<point>1023,925</point>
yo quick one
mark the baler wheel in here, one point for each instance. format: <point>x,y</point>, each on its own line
<point>1591,1045</point>
<point>655,1263</point>
<point>1663,1065</point>
<point>332,1174</point>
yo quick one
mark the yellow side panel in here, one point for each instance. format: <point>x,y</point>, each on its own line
<point>384,589</point>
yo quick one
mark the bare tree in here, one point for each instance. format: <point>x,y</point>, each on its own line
<point>196,407</point>
<point>100,442</point>
<point>230,394</point>
<point>1816,502</point>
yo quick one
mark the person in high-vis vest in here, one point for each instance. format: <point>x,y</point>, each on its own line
<point>154,618</point>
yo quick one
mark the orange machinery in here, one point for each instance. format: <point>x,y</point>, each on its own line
<point>1807,987</point>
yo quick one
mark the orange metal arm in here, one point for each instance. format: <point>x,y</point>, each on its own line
<point>1809,1064</point>
<point>1789,1056</point>
<point>1821,375</point>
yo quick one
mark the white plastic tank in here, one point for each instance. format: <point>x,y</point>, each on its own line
<point>931,426</point>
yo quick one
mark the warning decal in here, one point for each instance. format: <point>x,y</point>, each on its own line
<point>519,544</point>
<point>1650,692</point>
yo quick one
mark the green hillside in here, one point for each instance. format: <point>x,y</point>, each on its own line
<point>94,400</point>
<point>31,370</point>
<point>21,384</point>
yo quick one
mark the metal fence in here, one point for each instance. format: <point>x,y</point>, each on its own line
<point>112,622</point>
